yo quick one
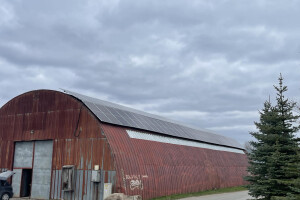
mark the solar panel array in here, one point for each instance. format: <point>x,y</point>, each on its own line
<point>124,116</point>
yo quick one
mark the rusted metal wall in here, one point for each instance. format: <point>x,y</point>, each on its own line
<point>154,169</point>
<point>134,166</point>
<point>52,115</point>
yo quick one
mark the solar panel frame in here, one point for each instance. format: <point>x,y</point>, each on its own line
<point>155,126</point>
<point>127,121</point>
<point>120,115</point>
<point>132,122</point>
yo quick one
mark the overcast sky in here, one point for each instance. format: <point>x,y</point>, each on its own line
<point>210,64</point>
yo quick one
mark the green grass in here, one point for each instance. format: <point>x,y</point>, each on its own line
<point>207,192</point>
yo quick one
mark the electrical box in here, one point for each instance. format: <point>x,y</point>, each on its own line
<point>68,177</point>
<point>96,176</point>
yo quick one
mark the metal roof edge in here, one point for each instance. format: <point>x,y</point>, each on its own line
<point>154,117</point>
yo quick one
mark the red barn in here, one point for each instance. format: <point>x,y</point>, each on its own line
<point>67,145</point>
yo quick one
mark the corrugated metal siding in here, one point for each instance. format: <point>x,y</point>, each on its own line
<point>135,166</point>
<point>85,189</point>
<point>52,115</point>
<point>154,169</point>
<point>6,154</point>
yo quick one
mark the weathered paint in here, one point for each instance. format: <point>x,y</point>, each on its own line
<point>41,178</point>
<point>16,184</point>
<point>134,166</point>
<point>154,169</point>
<point>23,155</point>
<point>51,115</point>
<point>38,157</point>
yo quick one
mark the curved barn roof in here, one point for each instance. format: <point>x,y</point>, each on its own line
<point>124,116</point>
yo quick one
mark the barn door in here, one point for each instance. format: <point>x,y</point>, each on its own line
<point>22,162</point>
<point>41,178</point>
<point>32,164</point>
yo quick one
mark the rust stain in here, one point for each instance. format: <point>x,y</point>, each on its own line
<point>171,169</point>
<point>44,115</point>
<point>146,168</point>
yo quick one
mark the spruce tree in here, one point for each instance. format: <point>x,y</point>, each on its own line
<point>274,160</point>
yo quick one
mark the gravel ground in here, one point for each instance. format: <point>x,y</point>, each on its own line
<point>243,195</point>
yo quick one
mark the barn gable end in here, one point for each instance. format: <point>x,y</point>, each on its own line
<point>32,120</point>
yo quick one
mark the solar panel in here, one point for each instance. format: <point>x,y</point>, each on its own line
<point>124,116</point>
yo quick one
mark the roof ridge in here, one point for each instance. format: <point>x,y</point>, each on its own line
<point>206,136</point>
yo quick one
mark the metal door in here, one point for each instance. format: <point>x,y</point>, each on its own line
<point>22,160</point>
<point>35,155</point>
<point>41,178</point>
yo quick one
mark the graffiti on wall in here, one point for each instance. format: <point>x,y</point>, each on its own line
<point>136,181</point>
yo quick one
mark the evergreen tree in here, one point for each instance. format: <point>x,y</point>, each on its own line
<point>274,160</point>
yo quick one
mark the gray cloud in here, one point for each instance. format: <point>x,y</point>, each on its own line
<point>208,64</point>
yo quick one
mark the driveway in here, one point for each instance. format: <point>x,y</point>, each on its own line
<point>243,195</point>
